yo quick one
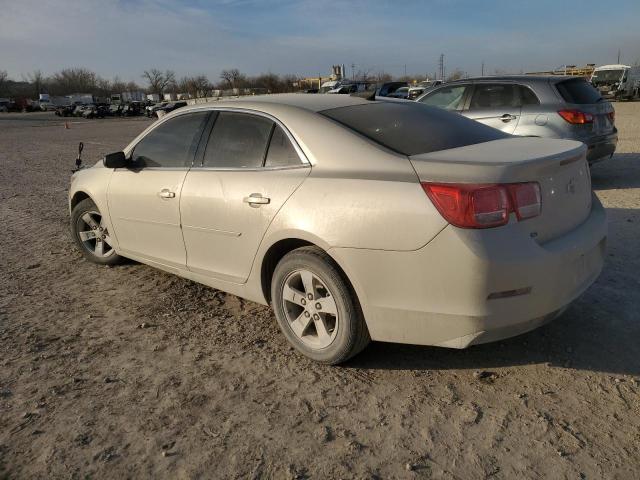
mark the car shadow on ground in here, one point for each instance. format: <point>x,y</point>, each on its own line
<point>621,171</point>
<point>599,332</point>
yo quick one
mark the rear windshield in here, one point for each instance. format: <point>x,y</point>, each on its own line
<point>411,128</point>
<point>578,91</point>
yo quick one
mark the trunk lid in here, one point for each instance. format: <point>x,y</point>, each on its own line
<point>559,166</point>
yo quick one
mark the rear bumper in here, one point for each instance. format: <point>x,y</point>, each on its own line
<point>438,295</point>
<point>603,147</point>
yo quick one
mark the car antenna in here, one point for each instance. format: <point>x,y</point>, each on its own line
<point>79,157</point>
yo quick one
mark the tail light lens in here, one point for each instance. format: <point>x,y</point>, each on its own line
<point>525,199</point>
<point>576,117</point>
<point>612,117</point>
<point>484,206</point>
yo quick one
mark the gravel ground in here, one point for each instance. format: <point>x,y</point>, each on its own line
<point>128,372</point>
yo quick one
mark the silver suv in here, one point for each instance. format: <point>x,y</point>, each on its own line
<point>534,106</point>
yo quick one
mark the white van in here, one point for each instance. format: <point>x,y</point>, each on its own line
<point>617,81</point>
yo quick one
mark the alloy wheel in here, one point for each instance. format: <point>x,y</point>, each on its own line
<point>94,235</point>
<point>310,309</point>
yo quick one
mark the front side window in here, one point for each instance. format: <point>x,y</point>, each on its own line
<point>448,98</point>
<point>172,144</point>
<point>238,140</point>
<point>487,96</point>
<point>281,152</point>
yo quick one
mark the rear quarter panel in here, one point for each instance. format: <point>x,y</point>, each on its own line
<point>358,194</point>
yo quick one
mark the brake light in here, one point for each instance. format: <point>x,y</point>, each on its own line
<point>484,206</point>
<point>525,199</point>
<point>612,116</point>
<point>576,117</point>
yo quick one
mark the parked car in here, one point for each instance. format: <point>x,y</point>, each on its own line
<point>64,110</point>
<point>402,92</point>
<point>354,219</point>
<point>170,107</point>
<point>115,110</point>
<point>534,106</point>
<point>78,111</point>
<point>151,110</point>
<point>387,88</point>
<point>94,111</point>
<point>422,87</point>
<point>131,110</point>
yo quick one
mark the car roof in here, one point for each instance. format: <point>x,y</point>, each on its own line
<point>314,102</point>
<point>517,78</point>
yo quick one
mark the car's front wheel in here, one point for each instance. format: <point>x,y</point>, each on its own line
<point>316,308</point>
<point>90,233</point>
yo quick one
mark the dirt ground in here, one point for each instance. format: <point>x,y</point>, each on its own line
<point>128,372</point>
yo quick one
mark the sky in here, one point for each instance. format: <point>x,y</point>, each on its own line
<point>126,37</point>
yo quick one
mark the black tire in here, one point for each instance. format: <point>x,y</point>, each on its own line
<point>352,335</point>
<point>78,225</point>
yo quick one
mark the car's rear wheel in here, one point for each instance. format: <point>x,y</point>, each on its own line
<point>91,234</point>
<point>316,308</point>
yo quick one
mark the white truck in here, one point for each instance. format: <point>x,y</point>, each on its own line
<point>621,82</point>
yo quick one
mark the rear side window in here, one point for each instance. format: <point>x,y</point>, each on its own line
<point>527,97</point>
<point>281,152</point>
<point>238,140</point>
<point>577,90</point>
<point>448,98</point>
<point>172,144</point>
<point>495,95</point>
<point>411,128</point>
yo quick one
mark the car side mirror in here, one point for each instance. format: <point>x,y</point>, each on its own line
<point>115,160</point>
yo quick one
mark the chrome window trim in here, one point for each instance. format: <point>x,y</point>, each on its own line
<point>151,128</point>
<point>304,161</point>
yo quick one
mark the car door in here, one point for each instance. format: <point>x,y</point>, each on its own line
<point>144,198</point>
<point>250,167</point>
<point>496,105</point>
<point>448,97</point>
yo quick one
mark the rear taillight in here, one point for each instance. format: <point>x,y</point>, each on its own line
<point>484,206</point>
<point>576,117</point>
<point>525,199</point>
<point>612,117</point>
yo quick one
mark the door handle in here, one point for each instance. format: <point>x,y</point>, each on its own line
<point>507,117</point>
<point>166,193</point>
<point>255,200</point>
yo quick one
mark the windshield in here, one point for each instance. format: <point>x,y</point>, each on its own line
<point>600,76</point>
<point>411,128</point>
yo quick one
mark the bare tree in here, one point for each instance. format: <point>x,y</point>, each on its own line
<point>196,87</point>
<point>117,85</point>
<point>233,78</point>
<point>159,81</point>
<point>271,82</point>
<point>365,75</point>
<point>73,80</point>
<point>37,80</point>
<point>3,81</point>
<point>457,74</point>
